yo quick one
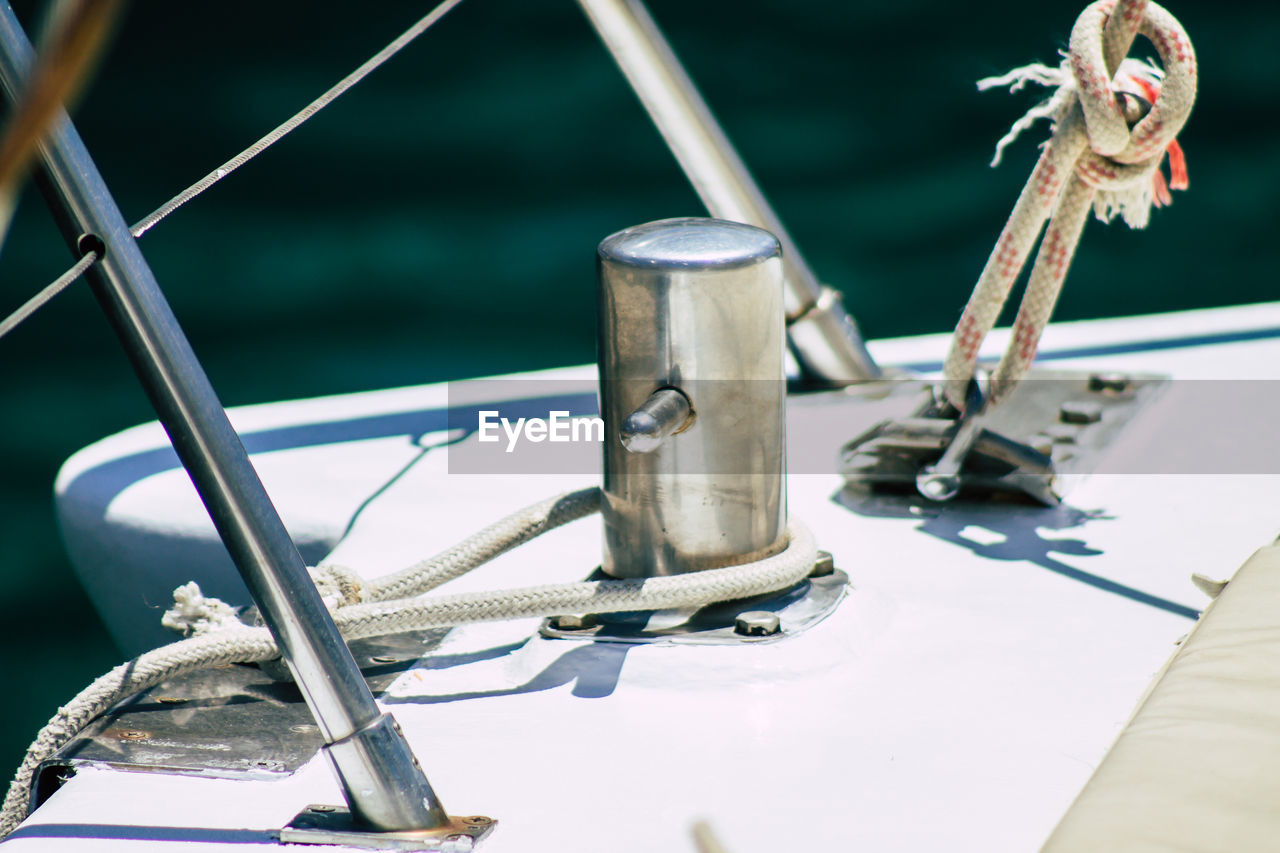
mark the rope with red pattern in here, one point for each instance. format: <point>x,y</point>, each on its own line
<point>1092,149</point>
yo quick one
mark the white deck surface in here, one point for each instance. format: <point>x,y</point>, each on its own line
<point>957,700</point>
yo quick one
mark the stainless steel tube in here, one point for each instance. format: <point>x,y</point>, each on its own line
<point>832,351</point>
<point>693,305</point>
<point>213,455</point>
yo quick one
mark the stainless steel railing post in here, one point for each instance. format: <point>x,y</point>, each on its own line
<point>383,783</point>
<point>823,336</point>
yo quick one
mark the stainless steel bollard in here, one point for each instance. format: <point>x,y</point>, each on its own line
<point>693,396</point>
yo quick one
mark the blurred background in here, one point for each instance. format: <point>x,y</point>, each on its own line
<point>440,220</point>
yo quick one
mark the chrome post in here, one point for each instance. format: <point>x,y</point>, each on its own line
<point>383,783</point>
<point>693,396</point>
<point>824,337</point>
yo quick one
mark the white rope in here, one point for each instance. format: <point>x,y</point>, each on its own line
<point>609,596</point>
<point>235,645</point>
<point>220,640</point>
<point>1093,160</point>
<point>480,548</point>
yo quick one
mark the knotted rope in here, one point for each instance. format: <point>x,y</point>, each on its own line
<point>1094,159</point>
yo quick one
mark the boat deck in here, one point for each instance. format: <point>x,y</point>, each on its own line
<point>959,697</point>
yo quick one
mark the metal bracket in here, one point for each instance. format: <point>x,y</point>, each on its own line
<point>182,725</point>
<point>761,619</point>
<point>1049,426</point>
<point>322,824</point>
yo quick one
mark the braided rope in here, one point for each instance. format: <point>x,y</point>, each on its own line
<point>1093,159</point>
<point>480,548</point>
<point>214,644</point>
<point>235,645</point>
<point>695,589</point>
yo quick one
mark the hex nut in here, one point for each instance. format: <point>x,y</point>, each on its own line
<point>823,566</point>
<point>570,622</point>
<point>1080,412</point>
<point>1113,382</point>
<point>757,623</point>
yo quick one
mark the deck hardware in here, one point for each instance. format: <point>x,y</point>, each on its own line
<point>1061,433</point>
<point>824,337</point>
<point>691,342</point>
<point>1080,412</point>
<point>269,718</point>
<point>665,413</point>
<point>1109,382</point>
<point>392,792</point>
<point>1006,451</point>
<point>801,607</point>
<point>757,623</point>
<point>941,481</point>
<point>824,565</point>
<point>325,824</point>
<point>573,622</point>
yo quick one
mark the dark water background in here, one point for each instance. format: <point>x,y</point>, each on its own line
<point>440,221</point>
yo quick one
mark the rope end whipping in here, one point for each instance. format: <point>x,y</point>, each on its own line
<point>193,613</point>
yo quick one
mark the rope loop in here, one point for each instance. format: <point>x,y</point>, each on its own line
<point>1109,135</point>
<point>1094,160</point>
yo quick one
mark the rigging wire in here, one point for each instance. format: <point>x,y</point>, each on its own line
<point>297,119</point>
<point>38,301</point>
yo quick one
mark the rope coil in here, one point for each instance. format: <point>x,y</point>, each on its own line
<point>1093,160</point>
<point>382,606</point>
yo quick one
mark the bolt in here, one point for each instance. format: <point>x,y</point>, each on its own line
<point>1114,382</point>
<point>573,623</point>
<point>304,729</point>
<point>478,820</point>
<point>1061,433</point>
<point>756,623</point>
<point>935,486</point>
<point>385,659</point>
<point>824,565</point>
<point>457,844</point>
<point>131,734</point>
<point>1080,412</point>
<point>170,700</point>
<point>324,809</point>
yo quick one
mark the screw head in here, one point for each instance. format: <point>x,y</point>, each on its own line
<point>937,487</point>
<point>757,623</point>
<point>130,734</point>
<point>824,565</point>
<point>570,622</point>
<point>1042,443</point>
<point>1114,382</point>
<point>1080,412</point>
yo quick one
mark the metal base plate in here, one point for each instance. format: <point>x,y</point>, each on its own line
<point>335,825</point>
<point>233,721</point>
<point>797,609</point>
<point>1065,418</point>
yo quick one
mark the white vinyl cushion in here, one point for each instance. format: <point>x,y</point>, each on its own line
<point>1197,768</point>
